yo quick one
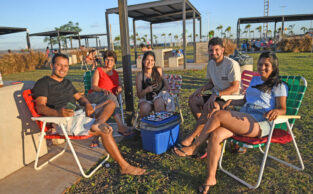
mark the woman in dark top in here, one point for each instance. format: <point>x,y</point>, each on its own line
<point>150,84</point>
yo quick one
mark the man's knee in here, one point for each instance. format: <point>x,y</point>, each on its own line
<point>215,137</point>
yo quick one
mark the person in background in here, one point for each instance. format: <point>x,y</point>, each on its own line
<point>264,101</point>
<point>91,59</point>
<point>47,52</point>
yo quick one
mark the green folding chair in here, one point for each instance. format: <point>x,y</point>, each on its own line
<point>87,86</point>
<point>281,132</point>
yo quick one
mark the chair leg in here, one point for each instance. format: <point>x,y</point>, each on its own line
<point>296,148</point>
<point>261,168</point>
<point>76,158</point>
<point>42,135</point>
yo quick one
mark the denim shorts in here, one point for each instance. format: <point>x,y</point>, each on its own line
<point>99,97</point>
<point>257,112</point>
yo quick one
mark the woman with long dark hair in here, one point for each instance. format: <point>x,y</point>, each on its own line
<point>150,84</point>
<point>265,99</point>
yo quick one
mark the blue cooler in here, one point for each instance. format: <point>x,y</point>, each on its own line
<point>159,136</point>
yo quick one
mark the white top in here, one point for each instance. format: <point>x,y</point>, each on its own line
<point>224,74</point>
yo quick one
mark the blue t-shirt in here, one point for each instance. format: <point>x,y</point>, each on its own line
<point>266,100</point>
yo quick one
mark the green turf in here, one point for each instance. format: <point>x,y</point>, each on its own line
<point>170,174</point>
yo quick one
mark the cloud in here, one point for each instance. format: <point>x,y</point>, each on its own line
<point>96,25</point>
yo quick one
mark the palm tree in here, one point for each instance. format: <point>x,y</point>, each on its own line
<point>252,31</point>
<point>143,39</point>
<point>220,27</point>
<point>146,37</point>
<point>227,30</point>
<point>290,28</point>
<point>259,29</point>
<point>247,27</point>
<point>269,32</point>
<point>170,35</point>
<point>117,39</point>
<point>304,29</point>
<point>196,37</point>
<point>164,35</point>
<point>155,38</point>
<point>245,32</point>
<point>176,38</point>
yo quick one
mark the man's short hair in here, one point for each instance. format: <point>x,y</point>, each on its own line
<point>59,55</point>
<point>110,53</point>
<point>216,41</point>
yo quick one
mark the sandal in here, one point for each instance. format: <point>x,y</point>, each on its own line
<point>94,143</point>
<point>202,188</point>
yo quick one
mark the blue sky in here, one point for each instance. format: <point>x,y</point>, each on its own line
<point>40,15</point>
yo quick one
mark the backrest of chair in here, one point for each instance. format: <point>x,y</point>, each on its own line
<point>175,83</point>
<point>30,102</point>
<point>297,86</point>
<point>87,81</point>
<point>246,78</point>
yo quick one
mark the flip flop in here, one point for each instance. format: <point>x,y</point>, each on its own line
<point>182,151</point>
<point>203,187</point>
<point>127,133</point>
<point>179,145</point>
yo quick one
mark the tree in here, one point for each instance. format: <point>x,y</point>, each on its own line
<point>70,26</point>
<point>170,35</point>
<point>176,38</point>
<point>247,27</point>
<point>155,38</point>
<point>211,34</point>
<point>227,30</point>
<point>259,29</point>
<point>269,32</point>
<point>290,28</point>
<point>304,29</point>
<point>252,31</point>
<point>190,37</point>
<point>117,40</point>
<point>164,35</point>
<point>245,32</point>
<point>220,27</point>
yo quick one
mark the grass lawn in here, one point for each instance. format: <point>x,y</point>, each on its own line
<point>171,174</point>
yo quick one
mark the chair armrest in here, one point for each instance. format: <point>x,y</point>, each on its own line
<point>56,120</point>
<point>232,97</point>
<point>288,117</point>
<point>284,118</point>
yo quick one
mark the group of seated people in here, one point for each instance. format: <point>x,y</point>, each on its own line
<point>264,100</point>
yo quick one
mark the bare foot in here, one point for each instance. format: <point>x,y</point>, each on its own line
<point>132,170</point>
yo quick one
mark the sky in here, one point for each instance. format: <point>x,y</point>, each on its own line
<point>43,15</point>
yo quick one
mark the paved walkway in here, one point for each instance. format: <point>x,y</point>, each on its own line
<point>56,176</point>
<point>189,66</point>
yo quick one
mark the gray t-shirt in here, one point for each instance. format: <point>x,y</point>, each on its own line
<point>224,74</point>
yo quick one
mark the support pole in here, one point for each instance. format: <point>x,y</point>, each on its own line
<point>59,41</point>
<point>200,26</point>
<point>275,31</point>
<point>108,30</point>
<point>184,32</point>
<point>282,27</point>
<point>194,35</point>
<point>97,43</point>
<point>79,43</point>
<point>135,39</point>
<point>27,40</point>
<point>151,35</point>
<point>238,34</point>
<point>71,42</point>
<point>124,32</point>
<point>51,45</point>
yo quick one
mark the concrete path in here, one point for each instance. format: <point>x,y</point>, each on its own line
<point>56,176</point>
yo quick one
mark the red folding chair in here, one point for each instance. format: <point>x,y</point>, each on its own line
<point>61,121</point>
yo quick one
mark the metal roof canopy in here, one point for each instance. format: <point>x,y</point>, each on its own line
<point>10,30</point>
<point>265,19</point>
<point>159,12</point>
<point>55,33</point>
<point>86,37</point>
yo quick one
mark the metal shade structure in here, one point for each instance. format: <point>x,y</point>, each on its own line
<point>159,12</point>
<point>10,30</point>
<point>54,33</point>
<point>86,37</point>
<point>275,19</point>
